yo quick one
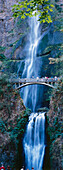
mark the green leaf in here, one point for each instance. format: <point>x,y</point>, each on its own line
<point>52,5</point>
<point>21,6</point>
<point>43,20</point>
<point>28,3</point>
<point>27,7</point>
<point>23,17</point>
<point>51,10</point>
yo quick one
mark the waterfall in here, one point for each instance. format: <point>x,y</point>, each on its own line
<point>30,70</point>
<point>32,95</point>
<point>33,142</point>
<point>34,146</point>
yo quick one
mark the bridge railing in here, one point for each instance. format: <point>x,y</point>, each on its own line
<point>27,80</point>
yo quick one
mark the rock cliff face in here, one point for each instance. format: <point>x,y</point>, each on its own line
<point>12,122</point>
<point>55,128</point>
<point>11,30</point>
<point>13,118</point>
<point>51,47</point>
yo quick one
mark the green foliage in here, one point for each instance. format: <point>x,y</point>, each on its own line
<point>27,112</point>
<point>58,8</point>
<point>20,126</point>
<point>55,132</point>
<point>54,121</point>
<point>2,126</point>
<point>2,57</point>
<point>2,49</point>
<point>32,8</point>
<point>56,0</point>
<point>57,15</point>
<point>10,126</point>
<point>6,92</point>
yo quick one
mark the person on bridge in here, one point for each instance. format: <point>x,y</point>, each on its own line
<point>37,78</point>
<point>55,78</point>
<point>2,167</point>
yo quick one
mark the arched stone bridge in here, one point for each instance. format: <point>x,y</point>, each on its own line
<point>20,83</point>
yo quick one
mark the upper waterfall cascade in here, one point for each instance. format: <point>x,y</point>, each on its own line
<point>29,69</point>
<point>32,65</point>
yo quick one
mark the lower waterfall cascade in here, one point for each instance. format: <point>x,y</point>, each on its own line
<point>34,140</point>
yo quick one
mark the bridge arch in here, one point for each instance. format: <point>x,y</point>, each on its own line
<point>20,83</point>
<point>32,83</point>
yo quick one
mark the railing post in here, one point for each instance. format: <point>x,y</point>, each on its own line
<point>51,83</point>
<point>56,83</point>
<point>19,84</point>
<point>15,86</point>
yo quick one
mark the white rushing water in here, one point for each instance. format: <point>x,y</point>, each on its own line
<point>34,146</point>
<point>29,69</point>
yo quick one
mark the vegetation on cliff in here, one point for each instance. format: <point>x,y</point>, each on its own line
<point>54,116</point>
<point>13,118</point>
<point>55,127</point>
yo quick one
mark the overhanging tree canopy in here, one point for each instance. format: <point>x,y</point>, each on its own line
<point>30,8</point>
